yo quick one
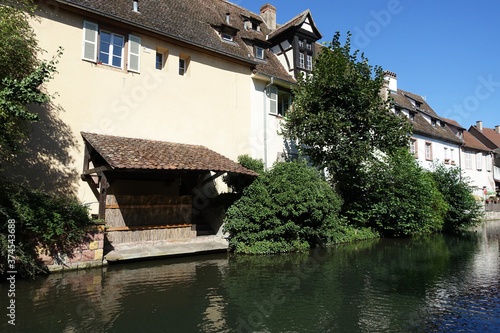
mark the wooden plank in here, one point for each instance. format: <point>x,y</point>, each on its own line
<point>148,227</point>
<point>146,206</point>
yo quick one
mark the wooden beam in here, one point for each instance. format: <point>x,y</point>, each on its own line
<point>146,206</point>
<point>209,179</point>
<point>96,170</point>
<point>148,227</point>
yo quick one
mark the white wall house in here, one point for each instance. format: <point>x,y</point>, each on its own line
<point>432,140</point>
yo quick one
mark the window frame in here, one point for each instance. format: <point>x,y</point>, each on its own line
<point>301,60</point>
<point>111,49</point>
<point>479,161</point>
<point>309,62</point>
<point>257,50</point>
<point>468,159</point>
<point>160,64</point>
<point>489,162</point>
<point>415,147</point>
<point>428,152</point>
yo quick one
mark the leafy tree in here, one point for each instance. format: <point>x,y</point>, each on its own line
<point>288,208</point>
<point>463,209</point>
<point>399,198</point>
<point>340,118</point>
<point>54,223</point>
<point>21,75</point>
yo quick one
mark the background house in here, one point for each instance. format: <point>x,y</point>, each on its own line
<point>490,138</point>
<point>432,140</point>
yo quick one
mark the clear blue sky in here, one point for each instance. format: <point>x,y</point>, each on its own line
<point>447,51</point>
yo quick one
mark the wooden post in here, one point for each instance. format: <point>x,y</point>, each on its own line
<point>103,191</point>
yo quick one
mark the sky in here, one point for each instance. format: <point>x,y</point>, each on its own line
<point>445,51</point>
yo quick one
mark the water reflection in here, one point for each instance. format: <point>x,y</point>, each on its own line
<point>435,283</point>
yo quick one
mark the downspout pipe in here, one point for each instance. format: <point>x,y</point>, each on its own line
<point>265,121</point>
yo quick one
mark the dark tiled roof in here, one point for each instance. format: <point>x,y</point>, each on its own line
<point>296,21</point>
<point>191,21</point>
<point>490,134</point>
<point>420,125</point>
<point>471,142</point>
<point>141,154</point>
<point>452,122</point>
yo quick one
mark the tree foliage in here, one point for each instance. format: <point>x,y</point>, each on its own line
<point>55,223</point>
<point>286,209</point>
<point>463,210</point>
<point>398,198</point>
<point>21,76</point>
<point>339,117</point>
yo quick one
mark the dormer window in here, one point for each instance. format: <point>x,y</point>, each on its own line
<point>418,104</point>
<point>227,37</point>
<point>259,52</point>
<point>433,122</point>
<point>412,115</point>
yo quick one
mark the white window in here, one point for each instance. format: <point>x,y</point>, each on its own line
<point>479,161</point>
<point>301,60</point>
<point>488,162</point>
<point>134,53</point>
<point>259,52</point>
<point>468,160</point>
<point>309,46</point>
<point>159,60</point>
<point>108,48</point>
<point>413,147</point>
<point>428,151</point>
<point>446,155</point>
<point>89,44</point>
<point>309,63</point>
<point>301,43</point>
<point>452,156</point>
<point>182,66</point>
<point>111,49</point>
<point>273,100</point>
<point>280,101</point>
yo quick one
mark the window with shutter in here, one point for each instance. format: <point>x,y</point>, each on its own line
<point>134,53</point>
<point>89,43</point>
<point>273,100</point>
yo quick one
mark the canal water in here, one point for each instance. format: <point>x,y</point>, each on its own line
<point>435,283</point>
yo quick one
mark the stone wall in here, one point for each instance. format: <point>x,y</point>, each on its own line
<point>88,254</point>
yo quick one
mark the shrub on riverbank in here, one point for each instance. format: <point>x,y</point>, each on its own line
<point>289,208</point>
<point>398,198</point>
<point>55,223</point>
<point>463,209</point>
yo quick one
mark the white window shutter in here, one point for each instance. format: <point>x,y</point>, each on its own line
<point>273,98</point>
<point>89,42</point>
<point>134,53</point>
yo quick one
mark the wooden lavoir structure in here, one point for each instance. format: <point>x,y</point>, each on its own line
<point>149,191</point>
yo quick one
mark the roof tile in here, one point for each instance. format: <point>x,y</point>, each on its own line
<point>141,154</point>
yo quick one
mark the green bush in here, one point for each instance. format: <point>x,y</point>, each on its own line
<point>54,223</point>
<point>237,182</point>
<point>463,210</point>
<point>399,198</point>
<point>286,209</point>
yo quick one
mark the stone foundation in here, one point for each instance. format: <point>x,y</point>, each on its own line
<point>88,254</point>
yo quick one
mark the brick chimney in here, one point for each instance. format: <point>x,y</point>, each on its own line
<point>497,129</point>
<point>479,125</point>
<point>268,14</point>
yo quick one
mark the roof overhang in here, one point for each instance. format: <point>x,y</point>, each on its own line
<point>122,155</point>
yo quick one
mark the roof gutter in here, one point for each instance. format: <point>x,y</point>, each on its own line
<point>159,32</point>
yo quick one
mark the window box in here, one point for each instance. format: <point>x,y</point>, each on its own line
<point>447,160</point>
<point>452,162</point>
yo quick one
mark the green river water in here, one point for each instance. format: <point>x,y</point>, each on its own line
<point>435,283</point>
